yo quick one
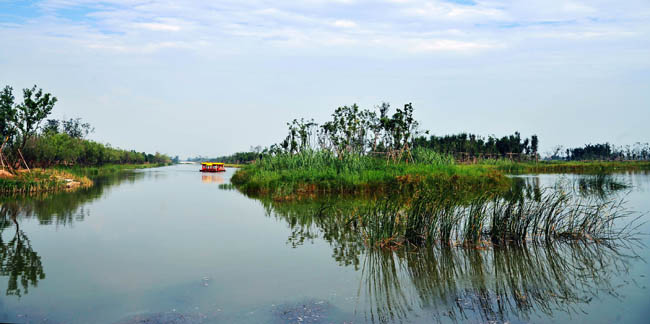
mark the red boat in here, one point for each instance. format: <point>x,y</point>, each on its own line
<point>213,167</point>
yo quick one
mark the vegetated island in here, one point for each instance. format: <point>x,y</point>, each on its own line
<point>39,154</point>
<point>368,151</point>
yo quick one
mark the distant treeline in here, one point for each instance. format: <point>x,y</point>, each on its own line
<point>237,158</point>
<point>476,145</point>
<point>638,151</point>
<point>27,137</point>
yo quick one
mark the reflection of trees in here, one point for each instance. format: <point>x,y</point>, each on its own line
<point>18,260</point>
<point>64,208</point>
<point>600,186</point>
<point>322,218</point>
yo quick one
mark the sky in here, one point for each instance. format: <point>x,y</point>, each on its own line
<point>211,78</point>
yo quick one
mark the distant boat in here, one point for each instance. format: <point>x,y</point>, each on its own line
<point>213,167</point>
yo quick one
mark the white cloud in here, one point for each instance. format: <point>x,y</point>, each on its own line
<point>157,26</point>
<point>422,25</point>
<point>448,45</point>
<point>344,24</point>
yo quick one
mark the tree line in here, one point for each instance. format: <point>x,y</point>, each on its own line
<point>393,134</point>
<point>30,139</point>
<point>478,146</point>
<point>636,152</point>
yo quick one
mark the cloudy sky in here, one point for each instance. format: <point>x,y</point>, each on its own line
<point>215,77</point>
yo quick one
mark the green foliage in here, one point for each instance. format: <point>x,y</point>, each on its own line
<point>35,107</point>
<point>8,113</point>
<point>236,158</point>
<point>353,130</point>
<point>475,145</point>
<point>52,149</point>
<point>638,151</point>
<point>310,171</point>
<point>61,142</point>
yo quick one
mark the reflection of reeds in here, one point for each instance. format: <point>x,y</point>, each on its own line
<point>554,215</point>
<point>496,285</point>
<point>429,217</point>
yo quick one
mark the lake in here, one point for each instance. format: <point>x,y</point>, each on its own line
<point>173,245</point>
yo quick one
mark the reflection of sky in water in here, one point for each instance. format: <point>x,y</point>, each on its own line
<point>160,241</point>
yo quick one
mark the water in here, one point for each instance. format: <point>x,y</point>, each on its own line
<point>169,245</point>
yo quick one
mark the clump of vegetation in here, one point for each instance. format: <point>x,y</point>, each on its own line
<point>287,176</point>
<point>27,143</point>
<point>40,180</point>
<point>357,151</point>
<point>590,167</point>
<point>465,146</point>
<point>637,152</point>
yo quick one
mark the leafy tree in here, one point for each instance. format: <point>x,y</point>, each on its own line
<point>7,113</point>
<point>75,128</point>
<point>534,143</point>
<point>52,126</point>
<point>35,107</point>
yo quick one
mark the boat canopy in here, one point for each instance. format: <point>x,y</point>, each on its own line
<point>212,163</point>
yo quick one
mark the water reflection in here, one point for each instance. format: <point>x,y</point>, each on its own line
<point>18,261</point>
<point>485,283</point>
<point>212,178</point>
<point>64,208</point>
<point>495,285</point>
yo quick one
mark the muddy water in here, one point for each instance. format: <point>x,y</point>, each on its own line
<point>169,245</point>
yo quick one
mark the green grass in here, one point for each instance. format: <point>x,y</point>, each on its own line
<point>39,180</point>
<point>317,172</point>
<point>53,179</point>
<point>592,167</point>
<point>107,169</point>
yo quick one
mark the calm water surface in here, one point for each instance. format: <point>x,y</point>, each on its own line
<point>168,245</point>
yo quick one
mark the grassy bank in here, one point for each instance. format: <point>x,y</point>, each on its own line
<point>316,172</point>
<point>41,180</point>
<point>309,173</point>
<point>107,169</point>
<point>60,178</point>
<point>590,167</point>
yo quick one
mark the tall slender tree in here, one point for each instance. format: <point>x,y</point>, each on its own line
<point>36,106</point>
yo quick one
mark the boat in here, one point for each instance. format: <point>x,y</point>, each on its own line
<point>213,167</point>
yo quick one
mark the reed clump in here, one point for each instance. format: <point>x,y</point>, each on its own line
<point>487,219</point>
<point>321,172</point>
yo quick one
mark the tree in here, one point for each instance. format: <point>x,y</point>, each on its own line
<point>7,113</point>
<point>534,143</point>
<point>51,127</point>
<point>75,128</point>
<point>35,107</point>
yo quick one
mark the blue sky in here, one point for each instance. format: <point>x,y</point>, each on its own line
<point>211,78</point>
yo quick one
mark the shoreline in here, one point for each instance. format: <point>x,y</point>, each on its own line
<point>58,178</point>
<point>287,184</point>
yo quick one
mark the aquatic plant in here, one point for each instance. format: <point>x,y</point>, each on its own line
<point>310,172</point>
<point>435,217</point>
